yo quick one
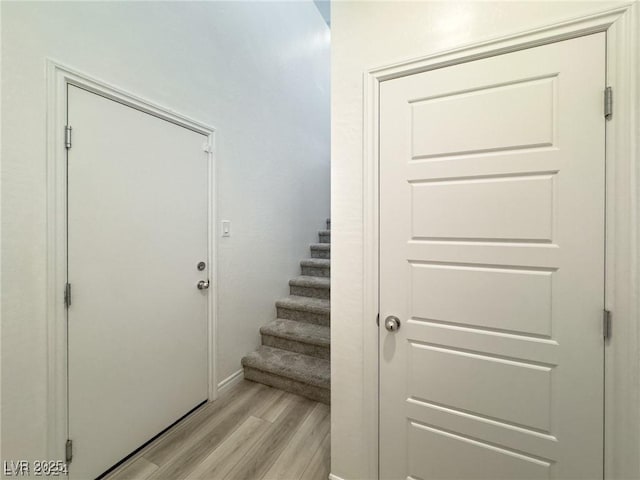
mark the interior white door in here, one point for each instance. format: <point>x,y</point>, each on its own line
<point>492,258</point>
<point>137,323</point>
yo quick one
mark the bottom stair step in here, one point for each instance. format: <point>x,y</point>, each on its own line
<point>290,371</point>
<point>301,337</point>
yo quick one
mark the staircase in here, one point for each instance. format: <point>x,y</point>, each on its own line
<point>295,350</point>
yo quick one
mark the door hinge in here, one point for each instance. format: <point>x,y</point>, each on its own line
<point>608,103</point>
<point>68,451</point>
<point>606,324</point>
<point>67,136</point>
<point>67,295</point>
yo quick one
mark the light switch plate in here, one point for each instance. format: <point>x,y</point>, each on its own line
<point>226,228</point>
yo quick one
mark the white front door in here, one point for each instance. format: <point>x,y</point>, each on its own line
<point>137,323</point>
<point>492,258</point>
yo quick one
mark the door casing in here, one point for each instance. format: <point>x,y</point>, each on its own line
<point>59,77</point>
<point>622,227</point>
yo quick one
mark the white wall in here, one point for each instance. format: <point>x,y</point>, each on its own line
<point>367,35</point>
<point>259,72</point>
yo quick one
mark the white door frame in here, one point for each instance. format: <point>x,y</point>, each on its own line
<point>58,77</point>
<point>622,278</point>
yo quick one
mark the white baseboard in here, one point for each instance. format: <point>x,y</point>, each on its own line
<point>334,477</point>
<point>230,381</point>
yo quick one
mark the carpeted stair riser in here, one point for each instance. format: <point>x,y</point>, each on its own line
<point>299,388</point>
<point>313,287</point>
<point>293,336</point>
<point>316,271</point>
<point>316,267</point>
<point>304,309</point>
<point>303,316</point>
<point>322,250</point>
<point>310,292</point>
<point>317,351</point>
<point>325,236</point>
<point>321,254</point>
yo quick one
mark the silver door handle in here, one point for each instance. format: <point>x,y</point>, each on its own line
<point>203,284</point>
<point>392,323</point>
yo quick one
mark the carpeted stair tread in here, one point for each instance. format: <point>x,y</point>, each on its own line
<point>324,232</point>
<point>316,262</point>
<point>302,368</point>
<point>310,285</point>
<point>311,282</point>
<point>306,304</point>
<point>320,246</point>
<point>298,331</point>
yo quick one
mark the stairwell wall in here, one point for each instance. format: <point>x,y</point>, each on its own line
<point>258,72</point>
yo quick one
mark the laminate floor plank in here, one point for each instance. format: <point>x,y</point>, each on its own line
<point>136,469</point>
<point>320,465</point>
<point>273,410</point>
<point>220,462</point>
<point>200,444</point>
<point>250,432</point>
<point>165,448</point>
<point>296,456</point>
<point>268,408</point>
<point>259,459</point>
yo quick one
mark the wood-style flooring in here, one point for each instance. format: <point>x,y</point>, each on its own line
<point>251,432</point>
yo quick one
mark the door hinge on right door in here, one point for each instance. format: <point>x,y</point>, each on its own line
<point>67,136</point>
<point>67,295</point>
<point>68,451</point>
<point>606,324</point>
<point>608,103</point>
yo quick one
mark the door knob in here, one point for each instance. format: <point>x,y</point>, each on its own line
<point>203,284</point>
<point>392,323</point>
